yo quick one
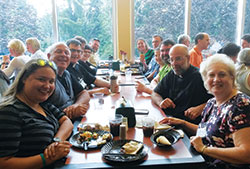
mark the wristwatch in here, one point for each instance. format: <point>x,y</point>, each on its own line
<point>56,139</point>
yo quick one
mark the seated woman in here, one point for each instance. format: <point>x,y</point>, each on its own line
<point>223,133</point>
<point>17,49</point>
<point>146,54</point>
<point>33,46</point>
<point>243,71</point>
<point>28,125</point>
<point>4,83</point>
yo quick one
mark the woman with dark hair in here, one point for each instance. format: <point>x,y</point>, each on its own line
<point>29,127</point>
<point>231,50</point>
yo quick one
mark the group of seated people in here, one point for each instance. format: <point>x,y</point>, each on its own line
<point>50,91</point>
<point>208,98</point>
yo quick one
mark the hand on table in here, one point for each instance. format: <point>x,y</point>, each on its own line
<point>76,110</point>
<point>140,87</point>
<point>57,150</point>
<point>194,112</point>
<point>171,121</point>
<point>167,103</point>
<point>197,143</point>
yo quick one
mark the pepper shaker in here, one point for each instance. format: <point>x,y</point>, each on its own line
<point>123,132</point>
<point>113,83</point>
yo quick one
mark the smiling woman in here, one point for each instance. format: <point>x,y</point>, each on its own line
<point>23,114</point>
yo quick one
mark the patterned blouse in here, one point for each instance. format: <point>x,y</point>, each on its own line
<point>220,122</point>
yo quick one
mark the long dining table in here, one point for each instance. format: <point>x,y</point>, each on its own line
<point>179,155</point>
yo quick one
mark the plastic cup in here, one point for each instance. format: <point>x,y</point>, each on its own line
<point>148,126</point>
<point>128,74</point>
<point>99,101</point>
<point>115,123</point>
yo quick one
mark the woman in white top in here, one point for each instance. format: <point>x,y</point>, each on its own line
<point>243,71</point>
<point>17,49</point>
<point>33,46</point>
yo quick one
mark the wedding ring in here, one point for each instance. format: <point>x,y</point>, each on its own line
<point>65,149</point>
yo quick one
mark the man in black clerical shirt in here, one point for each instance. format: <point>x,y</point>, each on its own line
<point>181,92</point>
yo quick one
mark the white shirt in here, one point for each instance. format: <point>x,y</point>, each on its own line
<point>16,64</point>
<point>39,55</point>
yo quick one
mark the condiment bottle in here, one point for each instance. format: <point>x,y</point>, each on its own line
<point>125,122</point>
<point>123,132</point>
<point>113,83</point>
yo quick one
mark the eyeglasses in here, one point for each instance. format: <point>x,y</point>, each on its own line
<point>177,59</point>
<point>42,62</point>
<point>75,50</point>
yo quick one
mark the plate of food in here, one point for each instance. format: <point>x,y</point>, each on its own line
<point>90,139</point>
<point>124,151</point>
<point>135,71</point>
<point>165,138</point>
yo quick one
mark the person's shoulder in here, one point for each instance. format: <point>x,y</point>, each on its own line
<point>194,71</point>
<point>15,108</point>
<point>242,99</point>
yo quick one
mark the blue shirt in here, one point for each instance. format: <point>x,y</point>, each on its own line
<point>152,66</point>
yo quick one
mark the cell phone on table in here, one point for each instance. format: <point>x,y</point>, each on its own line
<point>141,111</point>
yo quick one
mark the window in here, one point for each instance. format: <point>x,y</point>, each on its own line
<point>89,19</point>
<point>217,18</point>
<point>247,18</point>
<point>163,17</point>
<point>22,19</point>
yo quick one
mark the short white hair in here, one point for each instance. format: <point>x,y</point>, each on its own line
<point>218,58</point>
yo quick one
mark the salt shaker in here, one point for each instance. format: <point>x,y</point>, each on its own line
<point>123,132</point>
<point>113,83</point>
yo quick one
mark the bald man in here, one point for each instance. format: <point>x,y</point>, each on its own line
<point>181,92</point>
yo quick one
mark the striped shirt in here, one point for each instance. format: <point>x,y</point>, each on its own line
<point>24,132</point>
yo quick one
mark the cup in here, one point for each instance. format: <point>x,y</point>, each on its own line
<point>99,101</point>
<point>148,126</point>
<point>114,124</point>
<point>128,74</point>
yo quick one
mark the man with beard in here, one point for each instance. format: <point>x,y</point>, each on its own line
<point>165,67</point>
<point>94,58</point>
<point>181,92</point>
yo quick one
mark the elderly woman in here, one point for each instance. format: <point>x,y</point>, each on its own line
<point>243,71</point>
<point>33,133</point>
<point>223,134</point>
<point>17,49</point>
<point>33,46</point>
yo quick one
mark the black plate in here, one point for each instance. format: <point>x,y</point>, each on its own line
<point>172,136</point>
<point>112,152</point>
<point>74,140</point>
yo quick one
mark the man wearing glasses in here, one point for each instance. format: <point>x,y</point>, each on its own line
<point>69,95</point>
<point>86,79</point>
<point>181,92</point>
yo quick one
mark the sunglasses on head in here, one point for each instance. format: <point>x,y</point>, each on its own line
<point>43,62</point>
